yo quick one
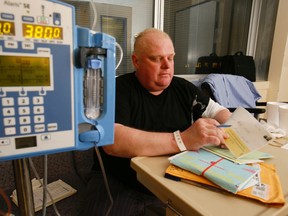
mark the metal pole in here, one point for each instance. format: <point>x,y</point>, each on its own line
<point>23,187</point>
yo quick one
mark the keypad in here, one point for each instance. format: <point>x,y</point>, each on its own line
<point>24,115</point>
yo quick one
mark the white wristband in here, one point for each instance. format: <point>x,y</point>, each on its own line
<point>179,141</point>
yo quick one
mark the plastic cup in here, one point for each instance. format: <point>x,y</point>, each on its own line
<point>283,117</point>
<point>273,113</point>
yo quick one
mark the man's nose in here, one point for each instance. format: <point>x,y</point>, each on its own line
<point>165,63</point>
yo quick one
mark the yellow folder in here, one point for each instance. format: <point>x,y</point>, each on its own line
<point>269,191</point>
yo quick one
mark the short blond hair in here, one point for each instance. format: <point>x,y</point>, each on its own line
<point>139,39</point>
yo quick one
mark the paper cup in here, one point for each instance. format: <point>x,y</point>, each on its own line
<point>283,117</point>
<point>273,113</point>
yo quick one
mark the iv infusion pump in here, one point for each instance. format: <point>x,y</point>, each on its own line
<point>57,81</point>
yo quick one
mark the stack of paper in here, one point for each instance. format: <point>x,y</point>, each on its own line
<point>58,190</point>
<point>228,175</point>
<point>246,134</point>
<point>228,169</point>
<point>253,157</point>
<point>267,190</point>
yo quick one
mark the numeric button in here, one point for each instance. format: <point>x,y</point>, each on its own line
<point>9,121</point>
<point>38,109</point>
<point>23,101</point>
<point>7,101</point>
<point>25,129</point>
<point>8,112</point>
<point>38,100</point>
<point>24,111</point>
<point>39,119</point>
<point>24,120</point>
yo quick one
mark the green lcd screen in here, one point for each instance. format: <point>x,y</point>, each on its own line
<point>18,71</point>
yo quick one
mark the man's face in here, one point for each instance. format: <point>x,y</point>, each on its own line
<point>155,64</point>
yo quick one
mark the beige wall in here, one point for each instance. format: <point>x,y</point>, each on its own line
<point>278,71</point>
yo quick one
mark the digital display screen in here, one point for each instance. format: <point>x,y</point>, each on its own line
<point>42,32</point>
<point>18,71</point>
<point>26,142</point>
<point>7,28</point>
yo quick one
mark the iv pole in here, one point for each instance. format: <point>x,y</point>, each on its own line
<point>23,186</point>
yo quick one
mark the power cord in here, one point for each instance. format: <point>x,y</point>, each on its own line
<point>45,190</point>
<point>44,204</point>
<point>75,167</point>
<point>105,180</point>
<point>8,203</point>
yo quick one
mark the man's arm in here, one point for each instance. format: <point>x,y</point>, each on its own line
<point>130,142</point>
<point>217,112</point>
<point>222,116</point>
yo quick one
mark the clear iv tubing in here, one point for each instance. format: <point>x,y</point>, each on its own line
<point>94,27</point>
<point>121,54</point>
<point>95,14</point>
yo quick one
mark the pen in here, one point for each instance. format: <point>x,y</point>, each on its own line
<point>204,186</point>
<point>223,126</point>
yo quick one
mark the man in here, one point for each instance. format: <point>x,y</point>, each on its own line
<point>156,114</point>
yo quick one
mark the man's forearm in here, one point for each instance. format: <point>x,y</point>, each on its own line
<point>130,142</point>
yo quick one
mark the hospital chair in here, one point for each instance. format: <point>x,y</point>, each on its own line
<point>232,91</point>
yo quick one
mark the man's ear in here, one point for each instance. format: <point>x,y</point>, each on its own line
<point>135,61</point>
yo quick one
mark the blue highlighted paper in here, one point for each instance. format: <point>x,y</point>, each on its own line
<point>228,175</point>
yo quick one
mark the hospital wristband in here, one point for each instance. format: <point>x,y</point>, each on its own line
<point>179,141</point>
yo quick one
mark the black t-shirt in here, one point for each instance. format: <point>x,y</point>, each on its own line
<point>136,107</point>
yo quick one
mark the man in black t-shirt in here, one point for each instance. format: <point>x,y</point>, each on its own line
<point>156,114</point>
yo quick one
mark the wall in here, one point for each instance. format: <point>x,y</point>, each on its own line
<point>140,9</point>
<point>276,88</point>
<point>278,71</point>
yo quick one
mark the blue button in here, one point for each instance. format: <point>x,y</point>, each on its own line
<point>28,19</point>
<point>7,16</point>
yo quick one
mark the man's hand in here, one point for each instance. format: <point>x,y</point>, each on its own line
<point>203,131</point>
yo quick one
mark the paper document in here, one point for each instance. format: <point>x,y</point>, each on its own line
<point>253,157</point>
<point>58,190</point>
<point>228,175</point>
<point>246,134</point>
<point>267,190</point>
